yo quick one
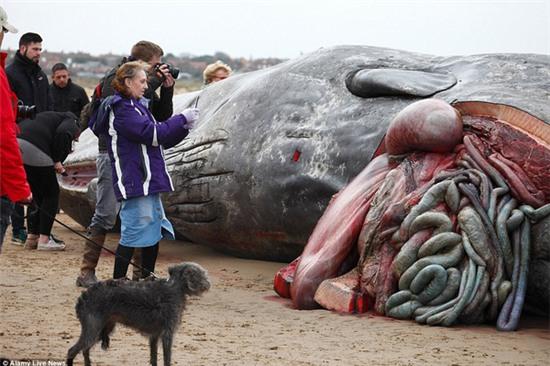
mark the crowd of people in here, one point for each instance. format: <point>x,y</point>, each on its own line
<point>132,113</point>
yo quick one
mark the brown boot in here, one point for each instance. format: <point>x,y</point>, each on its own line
<point>86,279</point>
<point>90,259</point>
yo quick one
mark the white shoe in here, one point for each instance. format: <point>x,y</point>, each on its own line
<point>50,245</point>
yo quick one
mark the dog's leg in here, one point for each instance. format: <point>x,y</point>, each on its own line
<point>153,344</point>
<point>91,328</point>
<point>73,351</point>
<point>80,345</point>
<point>86,354</point>
<point>69,361</point>
<point>105,332</point>
<point>167,346</point>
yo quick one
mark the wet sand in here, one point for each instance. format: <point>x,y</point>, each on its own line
<point>239,322</point>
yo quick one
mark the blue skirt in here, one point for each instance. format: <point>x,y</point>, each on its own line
<point>143,222</point>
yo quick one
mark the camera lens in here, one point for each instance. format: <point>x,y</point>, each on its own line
<point>174,71</point>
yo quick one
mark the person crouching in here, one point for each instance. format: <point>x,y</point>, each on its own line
<point>45,142</point>
<point>136,142</point>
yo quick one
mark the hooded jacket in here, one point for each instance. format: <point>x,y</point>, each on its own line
<point>29,83</point>
<point>161,107</point>
<point>135,142</point>
<point>51,132</point>
<point>13,181</point>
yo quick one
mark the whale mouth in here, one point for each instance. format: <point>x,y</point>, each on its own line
<point>78,176</point>
<point>438,225</point>
<point>525,121</point>
<point>78,190</point>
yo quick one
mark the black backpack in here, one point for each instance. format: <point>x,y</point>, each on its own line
<point>102,90</point>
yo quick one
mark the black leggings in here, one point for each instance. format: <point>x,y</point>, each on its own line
<point>124,255</point>
<point>45,193</point>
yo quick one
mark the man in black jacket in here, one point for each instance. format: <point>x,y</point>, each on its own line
<point>107,207</point>
<point>30,84</point>
<point>27,80</point>
<point>67,96</point>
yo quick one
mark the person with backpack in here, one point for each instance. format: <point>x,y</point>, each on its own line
<point>136,142</point>
<point>107,206</point>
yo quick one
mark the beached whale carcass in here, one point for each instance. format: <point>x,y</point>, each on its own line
<point>451,221</point>
<point>273,146</point>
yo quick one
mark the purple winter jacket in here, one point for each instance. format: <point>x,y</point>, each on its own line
<point>136,142</point>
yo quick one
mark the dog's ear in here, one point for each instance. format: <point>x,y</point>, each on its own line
<point>172,271</point>
<point>177,271</point>
<point>190,277</point>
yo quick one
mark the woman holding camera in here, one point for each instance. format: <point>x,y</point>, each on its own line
<point>136,142</point>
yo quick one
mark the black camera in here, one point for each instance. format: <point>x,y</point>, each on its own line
<point>174,71</point>
<point>25,111</point>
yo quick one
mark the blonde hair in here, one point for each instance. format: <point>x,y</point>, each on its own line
<point>127,71</point>
<point>211,69</point>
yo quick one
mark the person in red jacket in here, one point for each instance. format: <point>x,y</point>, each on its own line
<point>13,181</point>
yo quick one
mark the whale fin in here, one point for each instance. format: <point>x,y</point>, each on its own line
<point>372,83</point>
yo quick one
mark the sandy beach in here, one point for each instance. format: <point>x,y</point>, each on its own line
<point>240,321</point>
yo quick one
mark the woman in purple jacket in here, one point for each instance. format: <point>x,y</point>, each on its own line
<point>136,143</point>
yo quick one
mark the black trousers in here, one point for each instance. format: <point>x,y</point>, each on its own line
<point>17,218</point>
<point>124,255</point>
<point>6,208</point>
<point>45,192</point>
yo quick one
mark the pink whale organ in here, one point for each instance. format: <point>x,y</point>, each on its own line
<point>337,232</point>
<point>369,216</point>
<point>428,125</point>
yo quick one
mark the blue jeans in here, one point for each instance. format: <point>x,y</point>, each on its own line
<point>6,208</point>
<point>106,206</point>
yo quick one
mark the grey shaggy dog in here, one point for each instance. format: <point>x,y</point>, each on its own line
<point>153,308</point>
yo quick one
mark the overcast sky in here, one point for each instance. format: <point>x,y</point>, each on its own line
<point>284,28</point>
